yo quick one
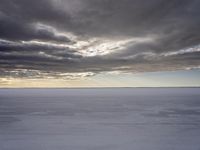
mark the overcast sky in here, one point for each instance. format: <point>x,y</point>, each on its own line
<point>77,42</point>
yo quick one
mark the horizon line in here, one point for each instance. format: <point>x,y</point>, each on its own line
<point>96,87</point>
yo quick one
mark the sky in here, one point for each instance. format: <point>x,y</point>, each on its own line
<point>99,43</point>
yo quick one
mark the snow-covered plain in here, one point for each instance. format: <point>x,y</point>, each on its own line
<point>100,119</point>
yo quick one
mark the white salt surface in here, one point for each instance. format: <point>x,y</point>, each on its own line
<point>100,119</point>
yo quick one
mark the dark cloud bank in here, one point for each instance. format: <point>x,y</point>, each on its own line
<point>49,35</point>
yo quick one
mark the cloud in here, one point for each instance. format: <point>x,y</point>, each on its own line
<point>73,36</point>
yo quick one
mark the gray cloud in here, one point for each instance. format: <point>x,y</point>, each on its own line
<point>71,36</point>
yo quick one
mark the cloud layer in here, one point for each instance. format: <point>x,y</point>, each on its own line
<point>67,37</point>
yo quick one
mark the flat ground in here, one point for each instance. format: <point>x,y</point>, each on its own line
<point>100,119</point>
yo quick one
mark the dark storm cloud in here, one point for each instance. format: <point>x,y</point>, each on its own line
<point>171,25</point>
<point>17,19</point>
<point>14,29</point>
<point>175,23</point>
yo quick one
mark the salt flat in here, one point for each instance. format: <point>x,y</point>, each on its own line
<point>100,119</point>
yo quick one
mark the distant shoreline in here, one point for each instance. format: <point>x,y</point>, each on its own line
<point>90,87</point>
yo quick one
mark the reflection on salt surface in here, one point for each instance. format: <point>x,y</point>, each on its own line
<point>100,119</point>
